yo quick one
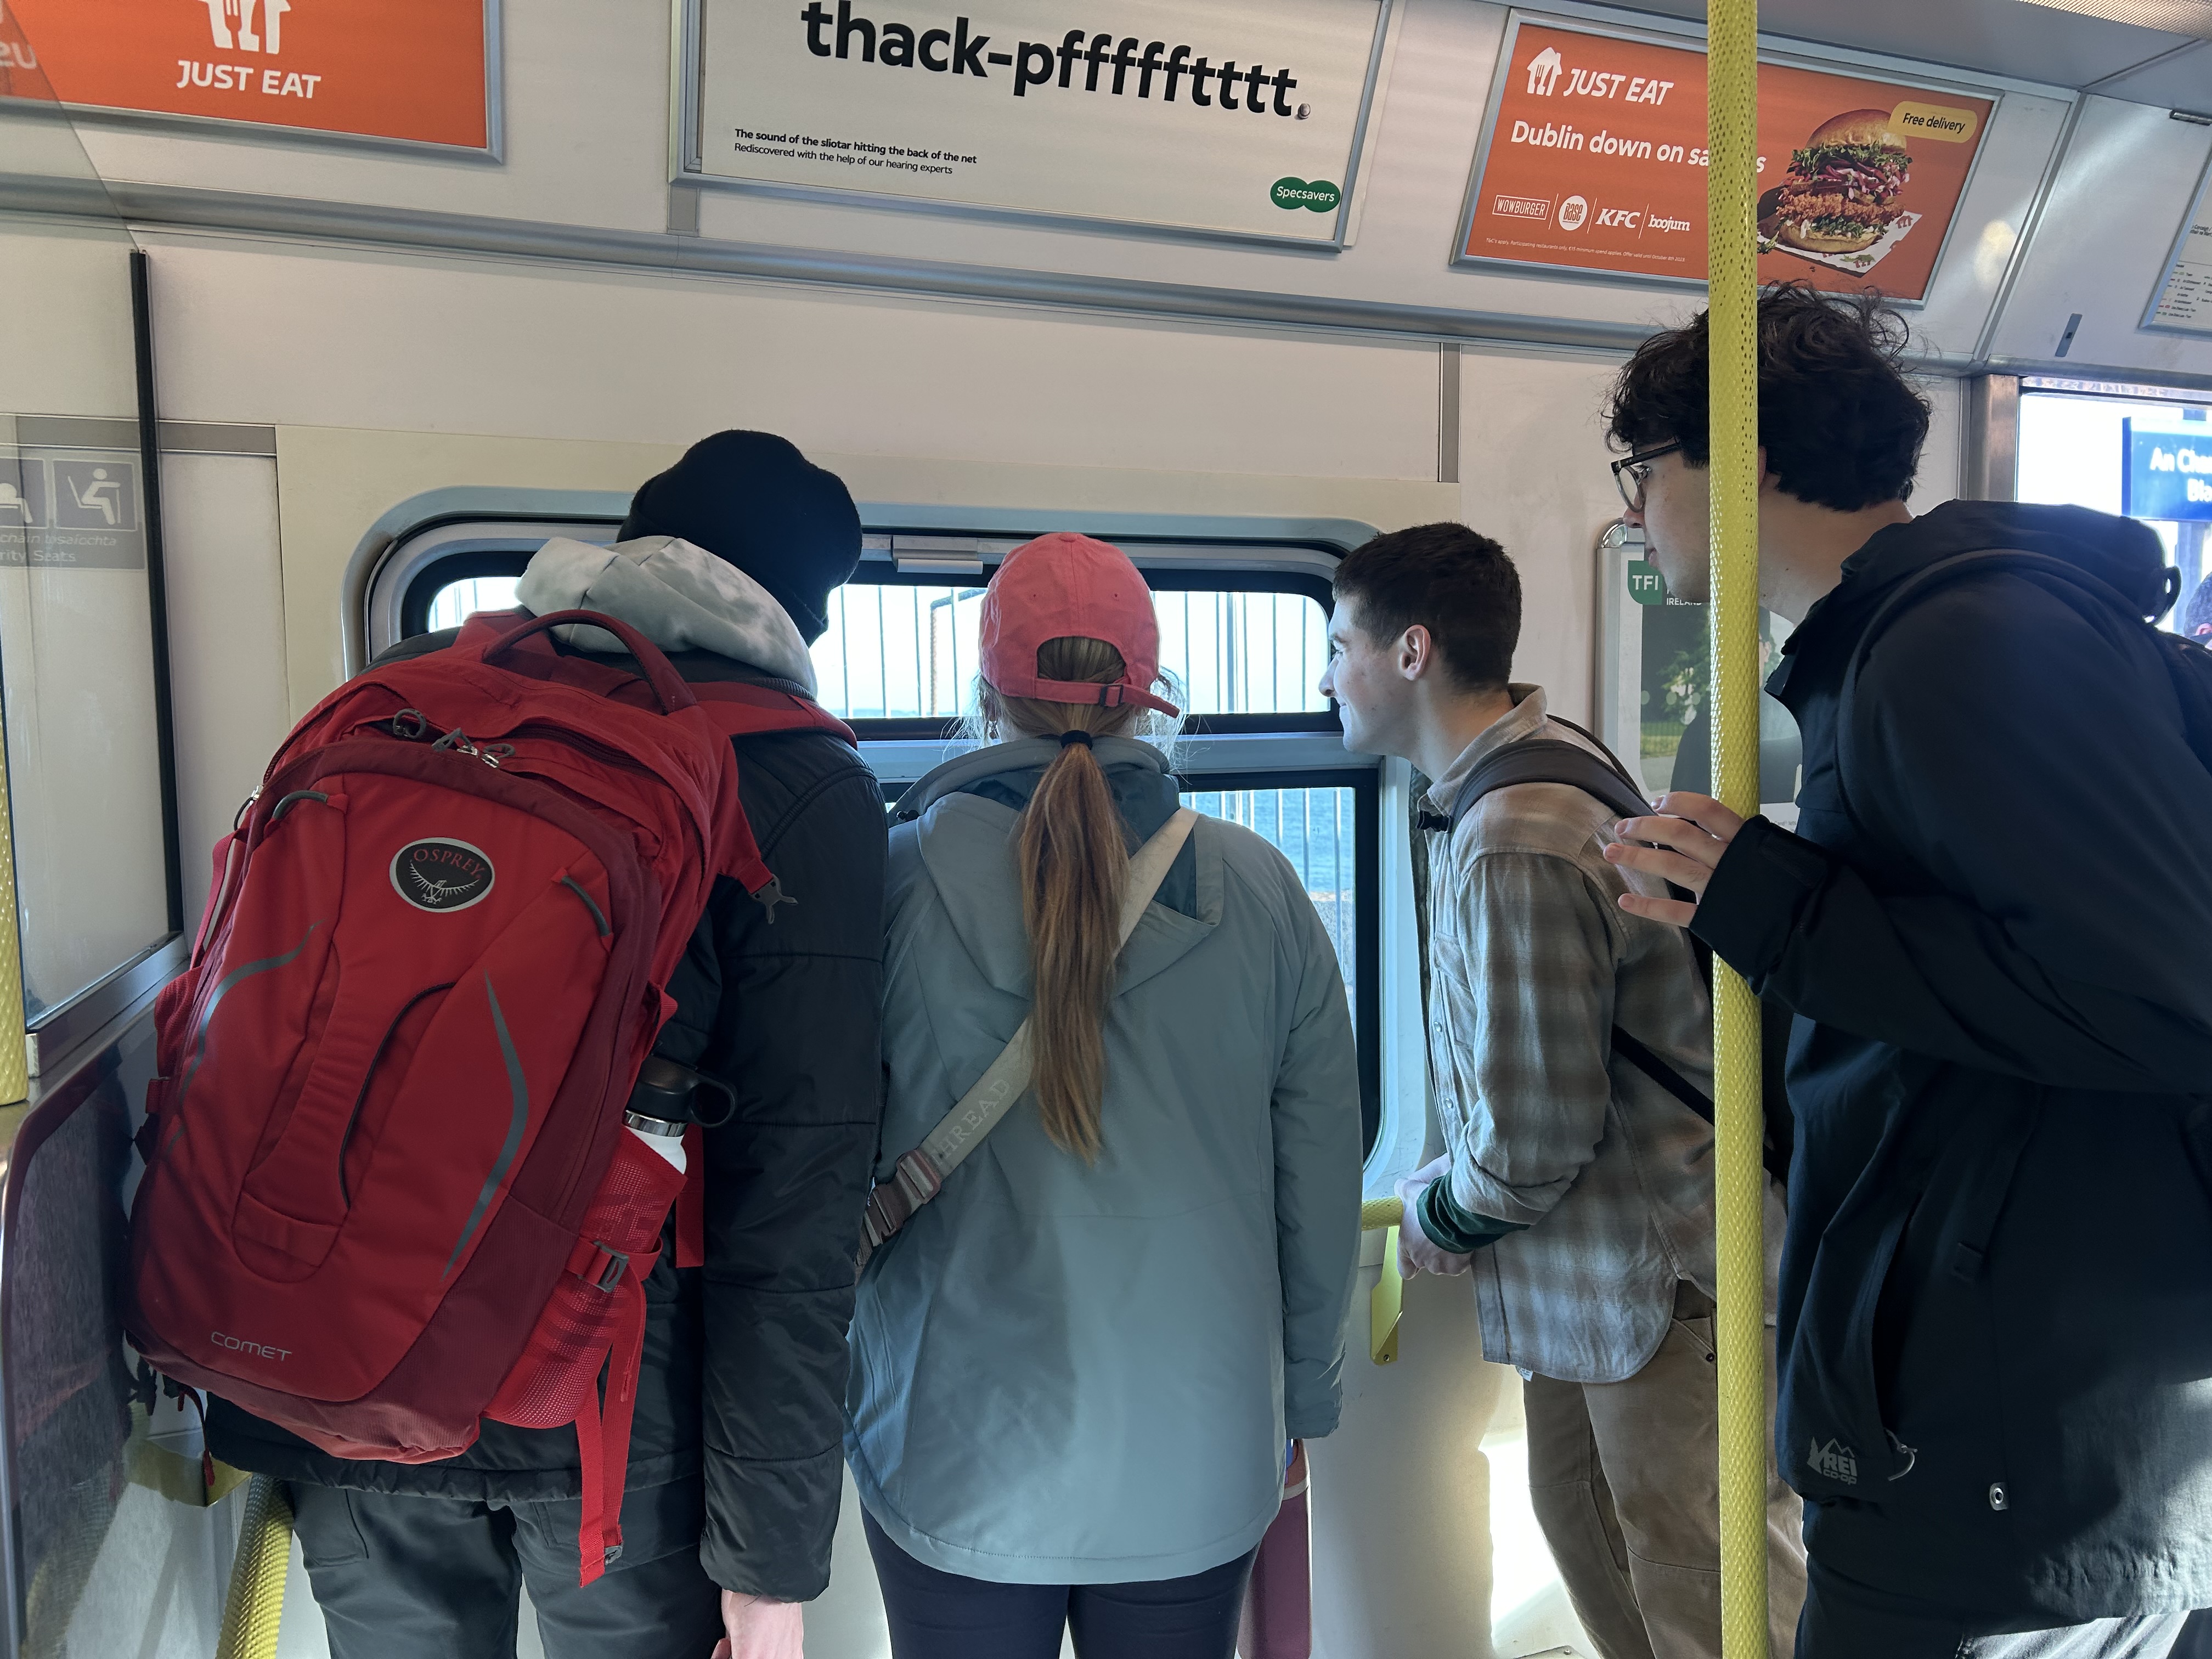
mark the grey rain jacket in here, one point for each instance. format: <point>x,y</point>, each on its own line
<point>1072,1374</point>
<point>735,1448</point>
<point>1997,1304</point>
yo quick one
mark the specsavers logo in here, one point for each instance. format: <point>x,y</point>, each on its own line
<point>1319,196</point>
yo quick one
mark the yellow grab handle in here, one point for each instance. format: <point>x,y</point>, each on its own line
<point>255,1607</point>
<point>1377,1213</point>
<point>1739,1179</point>
<point>1381,1215</point>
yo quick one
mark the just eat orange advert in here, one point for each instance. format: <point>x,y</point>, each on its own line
<point>1597,161</point>
<point>411,69</point>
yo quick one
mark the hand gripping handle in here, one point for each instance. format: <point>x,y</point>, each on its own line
<point>668,684</point>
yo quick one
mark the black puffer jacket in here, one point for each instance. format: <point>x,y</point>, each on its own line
<point>1997,1297</point>
<point>736,1442</point>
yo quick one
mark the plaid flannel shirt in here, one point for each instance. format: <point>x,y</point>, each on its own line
<point>1532,964</point>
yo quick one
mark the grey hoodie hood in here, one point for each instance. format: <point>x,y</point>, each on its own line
<point>679,596</point>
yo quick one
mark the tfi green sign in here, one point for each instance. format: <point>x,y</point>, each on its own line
<point>1645,584</point>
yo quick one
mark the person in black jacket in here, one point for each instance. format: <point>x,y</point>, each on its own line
<point>1997,1293</point>
<point>726,562</point>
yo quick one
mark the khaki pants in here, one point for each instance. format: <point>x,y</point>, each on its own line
<point>1624,1480</point>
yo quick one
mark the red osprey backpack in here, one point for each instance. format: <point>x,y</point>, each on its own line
<point>389,1191</point>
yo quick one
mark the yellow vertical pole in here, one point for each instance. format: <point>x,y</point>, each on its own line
<point>1732,188</point>
<point>14,1056</point>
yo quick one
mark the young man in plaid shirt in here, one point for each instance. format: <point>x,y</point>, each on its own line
<point>1575,1190</point>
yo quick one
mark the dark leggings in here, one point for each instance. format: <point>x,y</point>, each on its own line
<point>942,1616</point>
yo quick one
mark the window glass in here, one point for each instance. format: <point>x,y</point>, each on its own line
<point>2073,452</point>
<point>1315,828</point>
<point>85,761</point>
<point>457,601</point>
<point>897,650</point>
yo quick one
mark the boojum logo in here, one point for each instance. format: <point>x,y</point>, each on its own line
<point>231,23</point>
<point>1123,67</point>
<point>1318,197</point>
<point>439,875</point>
<point>1574,213</point>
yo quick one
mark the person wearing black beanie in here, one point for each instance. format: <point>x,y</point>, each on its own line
<point>753,501</point>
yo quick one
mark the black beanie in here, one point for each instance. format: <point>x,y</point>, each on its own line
<point>751,499</point>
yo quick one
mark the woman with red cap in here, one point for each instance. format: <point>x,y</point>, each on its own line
<point>1117,1204</point>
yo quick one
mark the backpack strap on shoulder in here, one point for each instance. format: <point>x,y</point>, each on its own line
<point>1552,760</point>
<point>743,709</point>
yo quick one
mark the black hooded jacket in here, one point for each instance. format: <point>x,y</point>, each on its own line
<point>1997,1294</point>
<point>737,1448</point>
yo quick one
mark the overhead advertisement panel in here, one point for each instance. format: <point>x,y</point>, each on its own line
<point>1238,118</point>
<point>2183,303</point>
<point>413,71</point>
<point>1593,158</point>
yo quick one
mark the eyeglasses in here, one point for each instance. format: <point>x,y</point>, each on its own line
<point>1632,472</point>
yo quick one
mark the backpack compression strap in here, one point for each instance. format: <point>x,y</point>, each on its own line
<point>922,1172</point>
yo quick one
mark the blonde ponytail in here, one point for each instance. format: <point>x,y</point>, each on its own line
<point>1074,866</point>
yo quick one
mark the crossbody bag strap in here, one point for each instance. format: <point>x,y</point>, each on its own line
<point>921,1173</point>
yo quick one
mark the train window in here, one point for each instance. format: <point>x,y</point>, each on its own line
<point>905,650</point>
<point>2116,452</point>
<point>1243,629</point>
<point>901,650</point>
<point>456,601</point>
<point>92,797</point>
<point>1323,829</point>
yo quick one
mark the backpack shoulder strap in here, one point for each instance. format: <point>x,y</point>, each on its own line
<point>922,1172</point>
<point>743,709</point>
<point>1552,760</point>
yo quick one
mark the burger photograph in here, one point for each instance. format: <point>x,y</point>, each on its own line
<point>1843,189</point>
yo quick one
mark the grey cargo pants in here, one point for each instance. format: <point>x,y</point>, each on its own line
<point>403,1577</point>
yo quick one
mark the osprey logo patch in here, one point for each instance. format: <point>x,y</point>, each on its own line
<point>1838,1463</point>
<point>440,875</point>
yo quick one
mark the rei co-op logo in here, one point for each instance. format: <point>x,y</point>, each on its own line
<point>1318,196</point>
<point>1837,1462</point>
<point>441,875</point>
<point>241,1344</point>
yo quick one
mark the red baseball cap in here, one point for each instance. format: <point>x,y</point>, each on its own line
<point>1068,587</point>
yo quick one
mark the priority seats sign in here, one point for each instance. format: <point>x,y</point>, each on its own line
<point>414,71</point>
